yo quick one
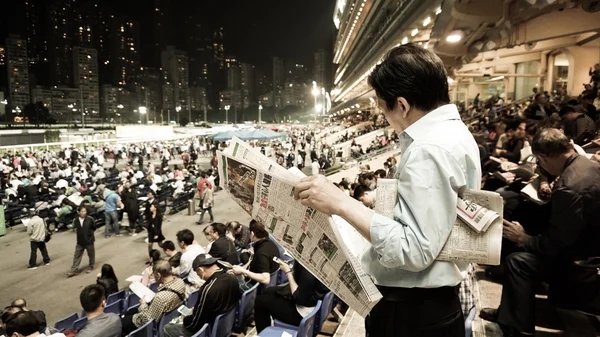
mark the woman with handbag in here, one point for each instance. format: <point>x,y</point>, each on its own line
<point>38,236</point>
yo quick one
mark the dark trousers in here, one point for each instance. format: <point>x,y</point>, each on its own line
<point>33,257</point>
<point>517,307</point>
<point>127,322</point>
<point>91,252</point>
<point>416,312</point>
<point>270,304</point>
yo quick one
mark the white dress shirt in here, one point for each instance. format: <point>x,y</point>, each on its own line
<point>439,157</point>
<point>186,261</point>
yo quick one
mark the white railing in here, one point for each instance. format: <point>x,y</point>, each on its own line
<point>363,140</point>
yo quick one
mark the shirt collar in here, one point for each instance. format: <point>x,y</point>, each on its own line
<point>423,125</point>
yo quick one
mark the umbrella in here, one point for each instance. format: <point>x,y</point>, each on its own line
<point>222,136</point>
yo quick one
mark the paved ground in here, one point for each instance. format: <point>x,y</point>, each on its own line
<point>48,289</point>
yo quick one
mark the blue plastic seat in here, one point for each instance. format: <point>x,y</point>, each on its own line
<point>223,325</point>
<point>114,307</point>
<point>66,323</point>
<point>146,330</point>
<point>154,286</point>
<point>326,308</point>
<point>164,320</point>
<point>78,324</point>
<point>204,332</point>
<point>245,308</point>
<point>192,299</point>
<point>305,329</point>
<point>112,298</point>
<point>272,282</point>
<point>131,301</point>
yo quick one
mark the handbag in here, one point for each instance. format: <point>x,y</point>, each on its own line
<point>48,233</point>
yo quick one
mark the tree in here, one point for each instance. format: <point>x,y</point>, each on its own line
<point>183,121</point>
<point>37,113</point>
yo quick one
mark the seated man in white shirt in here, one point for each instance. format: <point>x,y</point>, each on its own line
<point>190,249</point>
<point>61,183</point>
<point>439,158</point>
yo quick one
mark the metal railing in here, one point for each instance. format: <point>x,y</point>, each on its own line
<point>358,161</point>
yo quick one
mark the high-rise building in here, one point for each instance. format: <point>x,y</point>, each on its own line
<point>219,48</point>
<point>234,77</point>
<point>66,105</point>
<point>320,69</point>
<point>175,67</point>
<point>85,70</point>
<point>198,99</point>
<point>43,95</point>
<point>109,104</point>
<point>278,82</point>
<point>247,80</point>
<point>61,41</point>
<point>18,72</point>
<point>162,29</point>
<point>35,31</point>
<point>3,72</point>
<point>149,91</point>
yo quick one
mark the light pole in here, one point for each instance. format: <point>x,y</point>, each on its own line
<point>324,101</point>
<point>120,107</point>
<point>143,111</point>
<point>178,108</point>
<point>227,107</point>
<point>259,113</point>
<point>315,92</point>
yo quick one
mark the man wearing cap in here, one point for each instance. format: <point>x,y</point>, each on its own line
<point>218,295</point>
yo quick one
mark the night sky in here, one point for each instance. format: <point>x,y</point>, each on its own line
<point>255,30</point>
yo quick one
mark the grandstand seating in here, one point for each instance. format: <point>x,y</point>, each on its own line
<point>305,329</point>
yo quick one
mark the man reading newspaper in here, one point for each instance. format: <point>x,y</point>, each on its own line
<point>439,158</point>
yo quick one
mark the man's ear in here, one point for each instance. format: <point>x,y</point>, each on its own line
<point>403,106</point>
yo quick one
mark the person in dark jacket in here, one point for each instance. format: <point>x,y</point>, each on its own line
<point>108,279</point>
<point>516,140</point>
<point>218,295</point>
<point>85,227</point>
<point>131,206</point>
<point>221,247</point>
<point>155,226</point>
<point>559,255</point>
<point>40,315</point>
<point>291,302</point>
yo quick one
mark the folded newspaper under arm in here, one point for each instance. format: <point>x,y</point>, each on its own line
<point>265,190</point>
<point>464,243</point>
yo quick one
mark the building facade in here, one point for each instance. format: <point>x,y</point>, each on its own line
<point>175,67</point>
<point>18,73</point>
<point>85,71</point>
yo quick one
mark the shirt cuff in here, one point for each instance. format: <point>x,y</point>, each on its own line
<point>380,230</point>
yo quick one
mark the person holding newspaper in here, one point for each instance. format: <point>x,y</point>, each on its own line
<point>439,158</point>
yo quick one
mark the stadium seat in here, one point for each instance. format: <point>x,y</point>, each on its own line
<point>272,282</point>
<point>326,308</point>
<point>305,329</point>
<point>146,330</point>
<point>78,324</point>
<point>192,299</point>
<point>66,323</point>
<point>112,298</point>
<point>131,301</point>
<point>114,307</point>
<point>204,332</point>
<point>154,286</point>
<point>223,325</point>
<point>164,320</point>
<point>245,308</point>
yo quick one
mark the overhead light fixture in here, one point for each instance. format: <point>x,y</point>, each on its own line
<point>497,78</point>
<point>405,40</point>
<point>455,36</point>
<point>426,21</point>
<point>414,32</point>
<point>438,11</point>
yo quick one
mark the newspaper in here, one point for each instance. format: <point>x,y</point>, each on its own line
<point>265,190</point>
<point>476,216</point>
<point>142,291</point>
<point>463,244</point>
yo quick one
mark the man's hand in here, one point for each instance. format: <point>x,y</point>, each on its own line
<point>230,236</point>
<point>596,156</point>
<point>238,270</point>
<point>318,193</point>
<point>284,266</point>
<point>545,191</point>
<point>513,231</point>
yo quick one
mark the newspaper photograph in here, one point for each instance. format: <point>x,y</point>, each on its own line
<point>476,216</point>
<point>310,237</point>
<point>464,244</point>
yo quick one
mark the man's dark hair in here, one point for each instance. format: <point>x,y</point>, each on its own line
<point>380,173</point>
<point>91,297</point>
<point>258,229</point>
<point>24,323</point>
<point>360,191</point>
<point>9,311</point>
<point>414,73</point>
<point>162,267</point>
<point>186,236</point>
<point>19,302</point>
<point>513,125</point>
<point>550,142</point>
<point>168,245</point>
<point>219,228</point>
<point>566,109</point>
